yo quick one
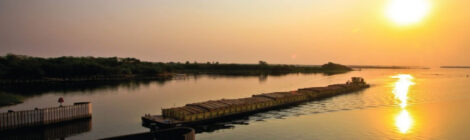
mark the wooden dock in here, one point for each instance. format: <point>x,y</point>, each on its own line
<point>45,116</point>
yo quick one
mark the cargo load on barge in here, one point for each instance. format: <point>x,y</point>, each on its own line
<point>201,112</point>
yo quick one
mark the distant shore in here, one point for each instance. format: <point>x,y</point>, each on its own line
<point>87,78</point>
<point>21,69</point>
<point>456,67</point>
<point>385,67</point>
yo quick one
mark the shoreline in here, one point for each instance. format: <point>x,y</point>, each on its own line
<point>10,99</point>
<point>86,79</point>
<point>166,76</point>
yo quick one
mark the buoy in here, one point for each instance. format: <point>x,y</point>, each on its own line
<point>61,100</point>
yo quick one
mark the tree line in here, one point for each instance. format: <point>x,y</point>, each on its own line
<point>14,66</point>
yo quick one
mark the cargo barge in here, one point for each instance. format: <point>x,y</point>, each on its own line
<point>197,113</point>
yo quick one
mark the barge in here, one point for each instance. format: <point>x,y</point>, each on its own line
<point>198,113</point>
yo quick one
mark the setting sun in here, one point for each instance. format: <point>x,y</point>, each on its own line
<point>406,12</point>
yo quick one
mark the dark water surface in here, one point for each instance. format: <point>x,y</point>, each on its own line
<point>401,104</point>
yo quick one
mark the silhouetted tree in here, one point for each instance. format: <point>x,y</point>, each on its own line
<point>262,63</point>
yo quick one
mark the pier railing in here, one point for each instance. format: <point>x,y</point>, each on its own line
<point>44,116</point>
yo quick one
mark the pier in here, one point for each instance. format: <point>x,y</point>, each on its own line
<point>44,116</point>
<point>202,112</point>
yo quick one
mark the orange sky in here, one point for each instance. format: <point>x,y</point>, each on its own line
<point>238,31</point>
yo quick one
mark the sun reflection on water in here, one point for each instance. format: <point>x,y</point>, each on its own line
<point>403,121</point>
<point>401,88</point>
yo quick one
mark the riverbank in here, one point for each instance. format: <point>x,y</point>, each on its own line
<point>165,76</point>
<point>456,67</point>
<point>10,99</point>
<point>22,69</point>
<point>385,67</point>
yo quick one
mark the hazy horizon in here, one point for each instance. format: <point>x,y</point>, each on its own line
<point>309,32</point>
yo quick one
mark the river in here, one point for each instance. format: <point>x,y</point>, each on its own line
<point>400,104</point>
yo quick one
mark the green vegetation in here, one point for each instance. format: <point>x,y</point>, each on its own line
<point>262,68</point>
<point>25,67</point>
<point>20,67</point>
<point>10,99</point>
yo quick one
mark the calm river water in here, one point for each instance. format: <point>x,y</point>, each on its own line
<point>401,104</point>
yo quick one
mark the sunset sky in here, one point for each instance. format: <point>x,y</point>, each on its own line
<point>240,31</point>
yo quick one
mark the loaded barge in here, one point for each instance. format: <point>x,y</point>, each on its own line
<point>197,113</point>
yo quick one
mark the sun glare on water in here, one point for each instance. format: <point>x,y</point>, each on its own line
<point>406,12</point>
<point>401,88</point>
<point>403,121</point>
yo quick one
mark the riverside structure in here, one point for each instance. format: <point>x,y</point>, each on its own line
<point>45,116</point>
<point>197,113</point>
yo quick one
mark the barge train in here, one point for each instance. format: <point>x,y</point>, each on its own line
<point>197,113</point>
